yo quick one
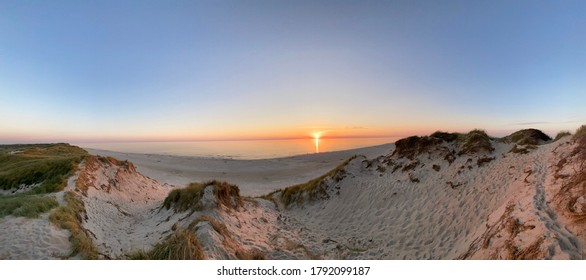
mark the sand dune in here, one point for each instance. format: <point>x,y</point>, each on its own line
<point>444,196</point>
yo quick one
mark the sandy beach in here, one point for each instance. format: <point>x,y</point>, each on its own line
<point>254,177</point>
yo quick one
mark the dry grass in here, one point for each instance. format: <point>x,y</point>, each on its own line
<point>314,189</point>
<point>188,198</point>
<point>448,137</point>
<point>482,161</point>
<point>527,137</point>
<point>475,141</point>
<point>413,146</point>
<point>181,245</point>
<point>69,217</point>
<point>522,149</point>
<point>561,135</point>
<point>410,166</point>
<point>580,133</point>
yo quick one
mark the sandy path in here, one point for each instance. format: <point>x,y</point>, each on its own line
<point>254,177</point>
<point>32,239</point>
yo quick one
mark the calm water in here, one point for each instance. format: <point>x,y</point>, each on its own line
<point>257,149</point>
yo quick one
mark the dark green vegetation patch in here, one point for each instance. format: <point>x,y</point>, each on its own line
<point>48,165</point>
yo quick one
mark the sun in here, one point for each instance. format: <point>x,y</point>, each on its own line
<point>316,137</point>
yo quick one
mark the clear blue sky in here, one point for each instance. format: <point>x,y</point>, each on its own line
<point>144,70</point>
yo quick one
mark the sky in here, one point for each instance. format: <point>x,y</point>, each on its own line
<point>198,70</point>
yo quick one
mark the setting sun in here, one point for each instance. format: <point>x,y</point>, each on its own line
<point>316,143</point>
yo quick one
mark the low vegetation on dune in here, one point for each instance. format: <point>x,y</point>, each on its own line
<point>29,172</point>
<point>561,135</point>
<point>188,198</point>
<point>69,217</point>
<point>412,146</point>
<point>181,245</point>
<point>48,165</point>
<point>571,197</point>
<point>527,137</point>
<point>580,133</point>
<point>522,149</point>
<point>29,206</point>
<point>314,189</point>
<point>475,141</point>
<point>469,143</point>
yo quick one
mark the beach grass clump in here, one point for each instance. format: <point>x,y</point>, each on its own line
<point>29,206</point>
<point>413,146</point>
<point>314,189</point>
<point>45,165</point>
<point>446,136</point>
<point>475,141</point>
<point>69,217</point>
<point>181,245</point>
<point>561,135</point>
<point>580,133</point>
<point>527,137</point>
<point>188,198</point>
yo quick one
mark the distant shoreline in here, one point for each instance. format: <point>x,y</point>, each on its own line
<point>253,176</point>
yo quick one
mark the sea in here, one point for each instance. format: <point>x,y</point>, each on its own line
<point>247,149</point>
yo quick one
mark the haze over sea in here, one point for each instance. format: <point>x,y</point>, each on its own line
<point>242,149</point>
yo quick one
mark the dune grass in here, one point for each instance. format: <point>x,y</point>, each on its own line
<point>187,198</point>
<point>314,188</point>
<point>580,133</point>
<point>29,206</point>
<point>475,141</point>
<point>527,137</point>
<point>561,135</point>
<point>48,165</point>
<point>181,245</point>
<point>69,217</point>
